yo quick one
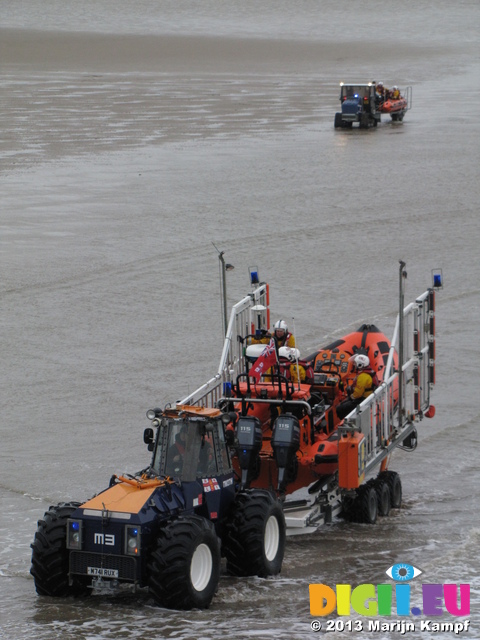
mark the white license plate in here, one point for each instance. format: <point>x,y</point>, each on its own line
<point>104,573</point>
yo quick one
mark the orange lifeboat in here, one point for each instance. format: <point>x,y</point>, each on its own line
<point>392,106</point>
<point>307,408</point>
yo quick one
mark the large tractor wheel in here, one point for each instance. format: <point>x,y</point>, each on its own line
<point>338,120</point>
<point>364,121</point>
<point>254,541</point>
<point>395,485</point>
<point>185,565</point>
<point>50,554</point>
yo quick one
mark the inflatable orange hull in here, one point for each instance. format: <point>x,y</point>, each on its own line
<point>391,106</point>
<point>330,371</point>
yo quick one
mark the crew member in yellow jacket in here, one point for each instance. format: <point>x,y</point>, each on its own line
<point>363,386</point>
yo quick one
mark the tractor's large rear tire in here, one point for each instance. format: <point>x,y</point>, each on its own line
<point>364,121</point>
<point>184,567</point>
<point>50,554</point>
<point>395,485</point>
<point>254,541</point>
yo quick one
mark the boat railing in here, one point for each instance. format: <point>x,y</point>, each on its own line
<point>252,312</point>
<point>379,418</point>
<point>407,94</point>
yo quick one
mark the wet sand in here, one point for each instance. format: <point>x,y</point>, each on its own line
<point>60,51</point>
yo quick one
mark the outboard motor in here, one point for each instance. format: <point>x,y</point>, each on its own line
<point>285,444</point>
<point>248,445</point>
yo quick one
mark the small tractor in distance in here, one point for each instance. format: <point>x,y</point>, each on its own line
<point>364,103</point>
<point>167,526</point>
<point>358,103</point>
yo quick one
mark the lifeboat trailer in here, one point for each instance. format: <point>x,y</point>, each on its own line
<point>366,438</point>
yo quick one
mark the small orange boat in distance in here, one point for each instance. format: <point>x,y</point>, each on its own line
<point>392,106</point>
<point>397,107</point>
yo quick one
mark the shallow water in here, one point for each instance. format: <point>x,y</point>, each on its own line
<point>120,167</point>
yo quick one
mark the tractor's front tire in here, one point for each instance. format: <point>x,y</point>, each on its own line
<point>254,541</point>
<point>184,567</point>
<point>50,554</point>
<point>338,121</point>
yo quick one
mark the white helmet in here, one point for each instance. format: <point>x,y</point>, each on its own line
<point>289,353</point>
<point>361,361</point>
<point>280,324</point>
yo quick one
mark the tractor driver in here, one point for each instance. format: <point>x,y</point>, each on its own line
<point>176,452</point>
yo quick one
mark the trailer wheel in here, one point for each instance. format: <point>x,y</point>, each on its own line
<point>338,120</point>
<point>254,541</point>
<point>50,554</point>
<point>184,567</point>
<point>365,506</point>
<point>383,496</point>
<point>395,486</point>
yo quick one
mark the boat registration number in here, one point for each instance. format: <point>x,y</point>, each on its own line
<point>104,573</point>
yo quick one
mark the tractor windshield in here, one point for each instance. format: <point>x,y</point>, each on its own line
<point>191,448</point>
<point>355,91</point>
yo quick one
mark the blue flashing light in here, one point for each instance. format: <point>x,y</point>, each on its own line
<point>437,278</point>
<point>227,389</point>
<point>135,532</point>
<point>75,526</point>
<point>254,277</point>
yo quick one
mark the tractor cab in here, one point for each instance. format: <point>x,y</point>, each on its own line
<point>190,443</point>
<point>353,96</point>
